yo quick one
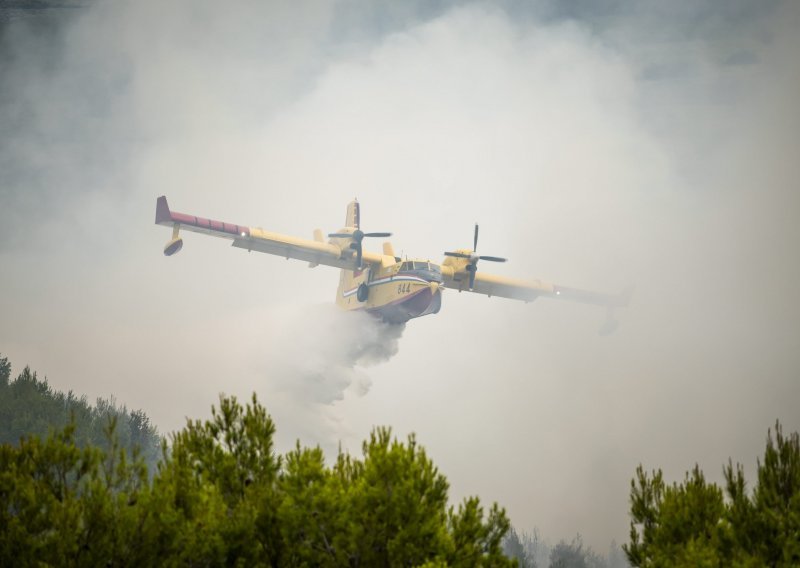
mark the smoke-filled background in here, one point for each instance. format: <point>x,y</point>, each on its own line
<point>599,145</point>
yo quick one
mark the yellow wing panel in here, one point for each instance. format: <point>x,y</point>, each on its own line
<point>336,254</point>
<point>491,285</point>
<point>314,252</point>
<point>528,290</point>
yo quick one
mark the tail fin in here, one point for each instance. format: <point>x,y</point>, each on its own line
<point>163,215</point>
<point>353,215</point>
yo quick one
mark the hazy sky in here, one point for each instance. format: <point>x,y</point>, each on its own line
<point>598,144</point>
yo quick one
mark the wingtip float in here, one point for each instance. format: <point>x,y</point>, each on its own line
<point>385,285</point>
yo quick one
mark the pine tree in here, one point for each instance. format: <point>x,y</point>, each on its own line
<point>221,496</point>
<point>695,523</point>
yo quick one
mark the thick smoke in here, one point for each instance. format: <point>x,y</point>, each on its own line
<point>597,145</point>
<point>315,354</point>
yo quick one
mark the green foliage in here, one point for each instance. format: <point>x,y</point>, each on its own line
<point>475,542</point>
<point>60,504</point>
<point>577,555</point>
<point>514,548</point>
<point>5,371</point>
<point>401,499</point>
<point>693,523</point>
<point>220,479</point>
<point>221,496</point>
<point>28,405</point>
<point>681,521</point>
<point>570,555</point>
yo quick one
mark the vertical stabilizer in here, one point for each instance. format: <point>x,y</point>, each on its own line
<point>353,290</point>
<point>353,215</point>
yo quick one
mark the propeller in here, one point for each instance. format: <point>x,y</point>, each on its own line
<point>357,236</point>
<point>474,257</point>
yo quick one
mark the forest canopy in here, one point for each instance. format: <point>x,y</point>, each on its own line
<point>96,485</point>
<point>221,495</point>
<point>30,406</point>
<point>698,523</point>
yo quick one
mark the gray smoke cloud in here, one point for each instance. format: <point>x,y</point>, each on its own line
<point>313,356</point>
<point>325,344</point>
<point>598,144</point>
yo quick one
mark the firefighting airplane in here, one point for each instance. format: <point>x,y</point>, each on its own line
<point>385,285</point>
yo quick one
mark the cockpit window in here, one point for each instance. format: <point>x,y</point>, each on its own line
<point>427,270</point>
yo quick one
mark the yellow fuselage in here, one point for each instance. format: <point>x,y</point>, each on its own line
<point>397,292</point>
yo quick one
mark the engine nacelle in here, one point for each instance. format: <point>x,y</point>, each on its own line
<point>175,245</point>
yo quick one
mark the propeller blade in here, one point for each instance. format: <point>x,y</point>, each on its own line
<point>357,235</point>
<point>472,275</point>
<point>473,257</point>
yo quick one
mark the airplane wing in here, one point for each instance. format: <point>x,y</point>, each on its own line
<point>315,251</point>
<point>528,290</point>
